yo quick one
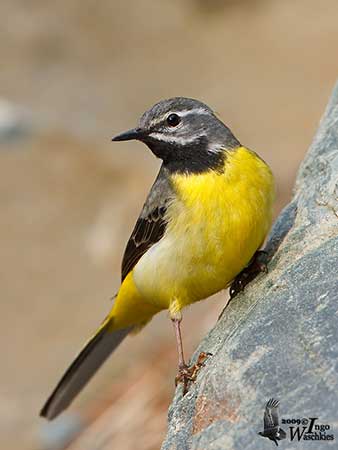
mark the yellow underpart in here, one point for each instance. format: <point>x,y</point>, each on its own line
<point>215,224</point>
<point>130,308</point>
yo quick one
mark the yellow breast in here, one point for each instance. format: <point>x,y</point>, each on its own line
<point>215,224</point>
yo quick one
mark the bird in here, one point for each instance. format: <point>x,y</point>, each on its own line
<point>272,429</point>
<point>204,219</point>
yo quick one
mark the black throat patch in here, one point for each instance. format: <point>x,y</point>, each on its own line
<point>189,158</point>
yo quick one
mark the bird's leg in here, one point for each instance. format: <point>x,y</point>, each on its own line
<point>186,374</point>
<point>177,327</point>
<point>257,265</point>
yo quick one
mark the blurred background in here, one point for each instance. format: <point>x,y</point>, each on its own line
<point>74,73</point>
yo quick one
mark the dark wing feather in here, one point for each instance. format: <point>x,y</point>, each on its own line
<point>151,225</point>
<point>271,419</point>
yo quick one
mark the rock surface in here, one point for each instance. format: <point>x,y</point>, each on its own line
<point>280,337</point>
<point>14,121</point>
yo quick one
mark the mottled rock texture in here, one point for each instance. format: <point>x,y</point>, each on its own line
<point>280,337</point>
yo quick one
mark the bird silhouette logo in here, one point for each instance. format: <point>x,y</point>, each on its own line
<point>272,429</point>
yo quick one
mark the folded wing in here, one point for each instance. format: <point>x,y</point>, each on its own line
<point>151,224</point>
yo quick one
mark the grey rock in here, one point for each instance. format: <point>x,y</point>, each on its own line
<point>14,121</point>
<point>58,434</point>
<point>279,338</point>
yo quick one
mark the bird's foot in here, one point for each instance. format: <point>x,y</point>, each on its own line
<point>257,265</point>
<point>187,375</point>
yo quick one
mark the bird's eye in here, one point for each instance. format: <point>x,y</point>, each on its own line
<point>173,120</point>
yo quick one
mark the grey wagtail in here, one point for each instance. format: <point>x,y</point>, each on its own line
<point>207,213</point>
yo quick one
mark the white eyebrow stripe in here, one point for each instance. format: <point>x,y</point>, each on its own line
<point>185,112</point>
<point>175,139</point>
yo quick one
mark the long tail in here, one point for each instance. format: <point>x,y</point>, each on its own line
<point>93,355</point>
<point>129,312</point>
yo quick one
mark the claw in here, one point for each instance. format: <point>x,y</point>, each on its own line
<point>257,265</point>
<point>187,375</point>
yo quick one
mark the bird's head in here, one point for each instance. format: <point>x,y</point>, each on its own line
<point>185,133</point>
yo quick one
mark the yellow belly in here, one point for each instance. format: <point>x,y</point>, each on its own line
<point>216,224</point>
